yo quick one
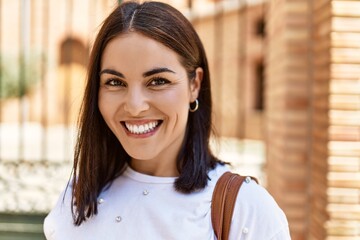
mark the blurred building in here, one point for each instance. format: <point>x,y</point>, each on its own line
<point>285,73</point>
<point>312,115</point>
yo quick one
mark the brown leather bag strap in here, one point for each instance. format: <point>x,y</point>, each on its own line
<point>218,202</point>
<point>223,203</point>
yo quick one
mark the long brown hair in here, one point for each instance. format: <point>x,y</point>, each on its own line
<point>99,156</point>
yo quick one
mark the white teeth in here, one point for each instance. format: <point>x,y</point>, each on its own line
<point>141,129</point>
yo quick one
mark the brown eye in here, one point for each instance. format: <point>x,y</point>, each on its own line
<point>115,83</point>
<point>158,81</point>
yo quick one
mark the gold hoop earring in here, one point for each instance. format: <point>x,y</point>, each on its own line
<point>196,106</point>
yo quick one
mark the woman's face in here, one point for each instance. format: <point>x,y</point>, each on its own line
<point>144,98</point>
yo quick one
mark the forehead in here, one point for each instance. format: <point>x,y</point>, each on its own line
<point>133,48</point>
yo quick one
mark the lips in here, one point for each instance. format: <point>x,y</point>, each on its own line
<point>142,128</point>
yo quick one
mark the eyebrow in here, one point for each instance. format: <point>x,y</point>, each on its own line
<point>146,74</point>
<point>157,70</point>
<point>112,72</point>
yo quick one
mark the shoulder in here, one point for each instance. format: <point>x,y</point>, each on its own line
<point>60,215</point>
<point>257,215</point>
<point>216,173</point>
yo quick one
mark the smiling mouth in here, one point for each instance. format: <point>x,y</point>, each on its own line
<point>139,129</point>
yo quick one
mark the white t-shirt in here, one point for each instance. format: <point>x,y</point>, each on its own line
<point>138,206</point>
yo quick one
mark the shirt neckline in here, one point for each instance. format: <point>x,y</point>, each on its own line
<point>140,177</point>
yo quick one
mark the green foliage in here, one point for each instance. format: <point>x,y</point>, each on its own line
<point>18,75</point>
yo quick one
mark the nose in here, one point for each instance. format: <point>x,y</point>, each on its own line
<point>136,102</point>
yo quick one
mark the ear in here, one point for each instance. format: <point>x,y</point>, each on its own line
<point>195,84</point>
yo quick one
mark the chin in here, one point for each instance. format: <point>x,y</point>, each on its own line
<point>141,157</point>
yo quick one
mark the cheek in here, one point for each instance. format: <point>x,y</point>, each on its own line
<point>180,110</point>
<point>176,103</point>
<point>106,106</point>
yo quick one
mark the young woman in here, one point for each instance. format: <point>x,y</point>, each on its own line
<point>143,168</point>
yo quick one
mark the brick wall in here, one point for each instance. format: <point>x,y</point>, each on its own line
<point>343,54</point>
<point>234,49</point>
<point>313,115</point>
<point>287,110</point>
<point>320,18</point>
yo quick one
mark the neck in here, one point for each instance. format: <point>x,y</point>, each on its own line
<point>154,168</point>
